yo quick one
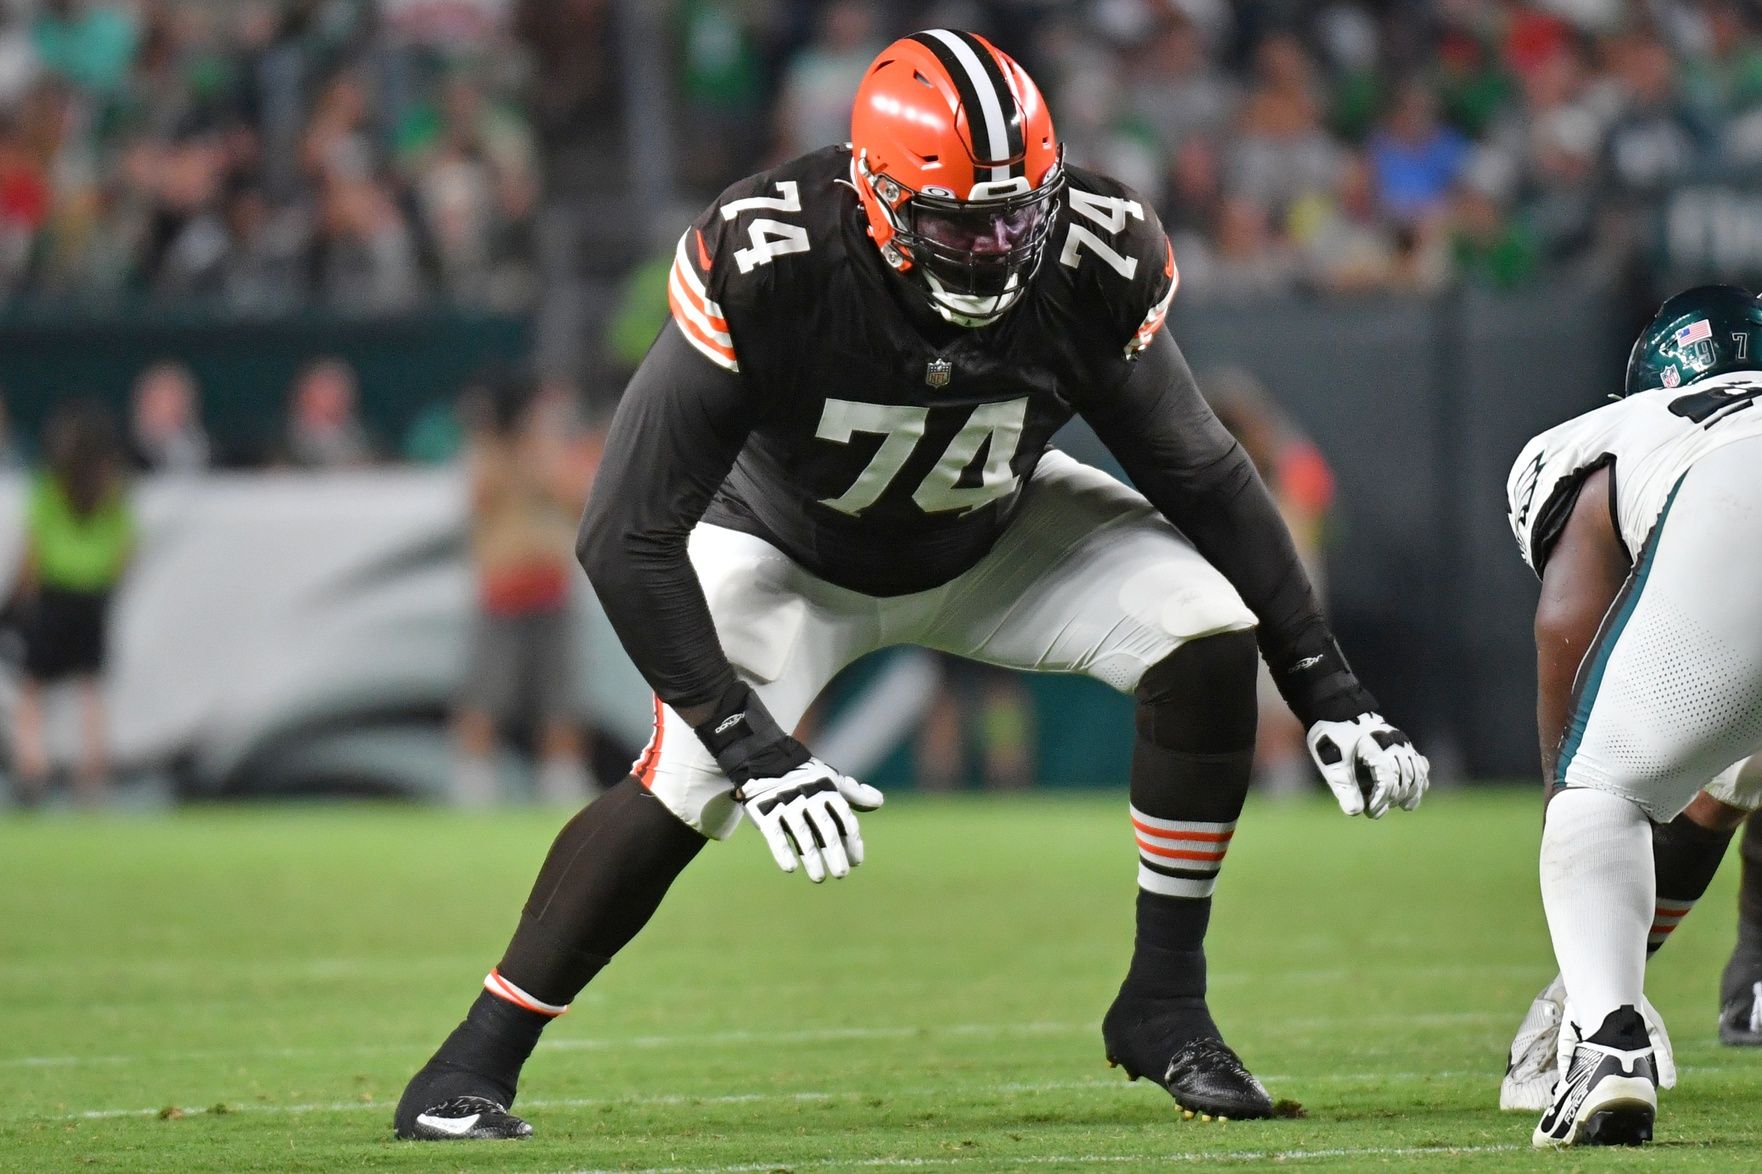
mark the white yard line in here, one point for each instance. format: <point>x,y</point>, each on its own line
<point>737,1037</point>
<point>662,1099</point>
<point>637,1101</point>
<point>995,1160</point>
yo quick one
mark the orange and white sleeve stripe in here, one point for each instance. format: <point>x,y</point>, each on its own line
<point>699,317</point>
<point>1153,320</point>
<point>501,988</point>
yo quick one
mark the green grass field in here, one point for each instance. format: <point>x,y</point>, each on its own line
<point>248,989</point>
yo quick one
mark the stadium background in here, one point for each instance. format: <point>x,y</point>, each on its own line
<point>1412,233</point>
<point>1426,229</point>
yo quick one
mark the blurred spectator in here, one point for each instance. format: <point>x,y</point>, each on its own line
<point>473,166</point>
<point>1554,139</point>
<point>339,147</point>
<point>1280,151</point>
<point>267,252</point>
<point>324,431</point>
<point>813,109</point>
<point>1653,142</point>
<point>87,42</point>
<point>1175,89</point>
<point>1723,78</point>
<point>165,425</point>
<point>1415,158</point>
<point>19,64</point>
<point>1351,49</point>
<point>722,86</point>
<point>1472,87</point>
<point>1245,262</point>
<point>437,435</point>
<point>79,537</point>
<point>981,722</point>
<point>1489,247</point>
<point>24,205</point>
<point>522,665</point>
<point>1346,246</point>
<point>365,254</point>
<point>1303,486</point>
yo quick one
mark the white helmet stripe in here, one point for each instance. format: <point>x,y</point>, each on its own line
<point>990,102</point>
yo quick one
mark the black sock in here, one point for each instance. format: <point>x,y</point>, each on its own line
<point>1191,766</point>
<point>601,882</point>
<point>483,1056</point>
<point>1685,856</point>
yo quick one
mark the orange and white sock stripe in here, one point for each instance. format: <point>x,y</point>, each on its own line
<point>698,315</point>
<point>501,988</point>
<point>1180,858</point>
<point>1665,919</point>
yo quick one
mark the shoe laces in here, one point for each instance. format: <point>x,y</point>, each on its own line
<point>465,1106</point>
<point>1210,1053</point>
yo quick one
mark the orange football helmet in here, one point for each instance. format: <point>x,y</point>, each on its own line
<point>958,169</point>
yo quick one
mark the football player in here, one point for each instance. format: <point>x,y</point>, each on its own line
<point>840,442</point>
<point>1640,519</point>
<point>1686,852</point>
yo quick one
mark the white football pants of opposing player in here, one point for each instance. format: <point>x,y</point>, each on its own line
<point>1669,696</point>
<point>1087,578</point>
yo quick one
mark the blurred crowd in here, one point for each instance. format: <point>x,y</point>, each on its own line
<point>1338,146</point>
<point>369,154</point>
<point>264,155</point>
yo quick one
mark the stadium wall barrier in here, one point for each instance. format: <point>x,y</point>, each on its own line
<point>286,632</point>
<point>246,366</point>
<point>1418,404</point>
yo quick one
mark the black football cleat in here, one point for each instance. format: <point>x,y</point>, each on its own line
<point>1740,1019</point>
<point>461,1119</point>
<point>1206,1078</point>
<point>1609,1092</point>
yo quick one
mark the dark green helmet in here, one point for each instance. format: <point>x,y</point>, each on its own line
<point>1700,332</point>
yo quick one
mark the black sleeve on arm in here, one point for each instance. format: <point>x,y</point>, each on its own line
<point>677,431</point>
<point>1183,459</point>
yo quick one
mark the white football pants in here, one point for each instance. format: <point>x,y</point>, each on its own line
<point>1088,578</point>
<point>1670,694</point>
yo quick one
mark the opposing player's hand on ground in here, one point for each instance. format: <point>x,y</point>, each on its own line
<point>809,816</point>
<point>1369,764</point>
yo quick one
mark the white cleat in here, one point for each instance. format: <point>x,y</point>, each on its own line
<point>1533,1064</point>
<point>1609,1095</point>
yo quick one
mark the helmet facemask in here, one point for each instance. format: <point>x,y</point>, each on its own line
<point>972,259</point>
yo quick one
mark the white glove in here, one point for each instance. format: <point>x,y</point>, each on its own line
<point>1369,764</point>
<point>809,815</point>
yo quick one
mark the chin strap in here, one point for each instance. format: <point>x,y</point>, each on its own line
<point>969,310</point>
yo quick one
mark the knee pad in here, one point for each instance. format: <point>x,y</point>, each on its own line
<point>1202,698</point>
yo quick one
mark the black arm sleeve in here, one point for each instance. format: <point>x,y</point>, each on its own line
<point>677,431</point>
<point>1181,457</point>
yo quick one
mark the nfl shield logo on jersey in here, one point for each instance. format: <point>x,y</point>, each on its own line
<point>937,372</point>
<point>1671,377</point>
